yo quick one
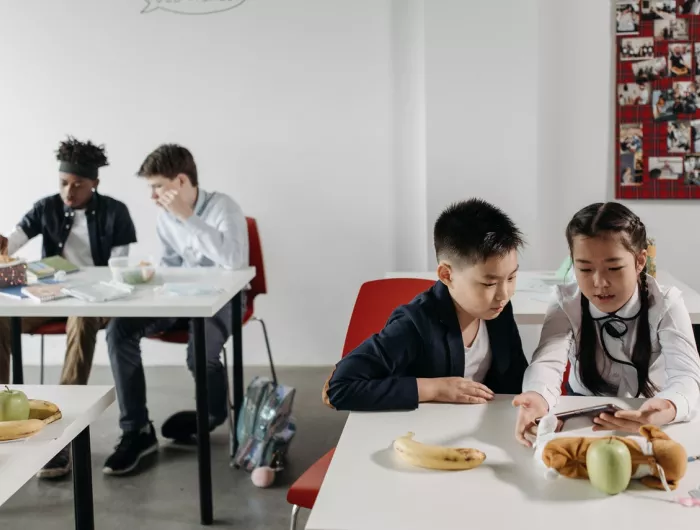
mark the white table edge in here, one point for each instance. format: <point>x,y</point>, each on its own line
<point>46,450</point>
<point>122,308</point>
<point>538,318</point>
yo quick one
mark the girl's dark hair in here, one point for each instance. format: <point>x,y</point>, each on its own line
<point>602,219</point>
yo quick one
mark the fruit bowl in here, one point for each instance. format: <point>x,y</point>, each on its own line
<point>131,272</point>
<point>21,417</point>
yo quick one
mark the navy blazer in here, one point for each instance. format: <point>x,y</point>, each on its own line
<point>421,339</point>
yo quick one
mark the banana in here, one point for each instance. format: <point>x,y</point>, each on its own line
<point>41,413</point>
<point>14,430</point>
<point>43,410</point>
<point>435,456</point>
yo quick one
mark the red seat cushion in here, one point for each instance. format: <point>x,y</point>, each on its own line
<point>50,328</point>
<point>305,490</point>
<point>178,336</point>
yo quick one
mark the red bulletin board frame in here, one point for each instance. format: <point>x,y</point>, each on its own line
<point>654,132</point>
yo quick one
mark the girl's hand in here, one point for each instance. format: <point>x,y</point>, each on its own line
<point>532,406</point>
<point>654,411</point>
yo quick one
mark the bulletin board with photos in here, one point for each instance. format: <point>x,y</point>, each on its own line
<point>657,120</point>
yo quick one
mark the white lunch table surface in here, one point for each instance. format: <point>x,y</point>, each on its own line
<point>144,301</point>
<point>368,487</point>
<point>533,290</point>
<point>80,406</point>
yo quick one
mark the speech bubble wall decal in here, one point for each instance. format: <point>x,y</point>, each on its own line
<point>191,7</point>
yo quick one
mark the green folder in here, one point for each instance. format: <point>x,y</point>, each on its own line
<point>59,263</point>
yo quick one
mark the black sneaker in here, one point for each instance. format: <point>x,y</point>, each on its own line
<point>132,447</point>
<point>181,427</point>
<point>58,467</point>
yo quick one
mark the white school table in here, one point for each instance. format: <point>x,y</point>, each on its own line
<point>368,487</point>
<point>20,460</point>
<point>532,291</point>
<point>146,302</point>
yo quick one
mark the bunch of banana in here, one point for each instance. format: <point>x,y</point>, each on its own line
<point>41,413</point>
<point>435,456</point>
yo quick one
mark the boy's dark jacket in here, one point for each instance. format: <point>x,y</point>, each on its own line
<point>109,226</point>
<point>421,339</point>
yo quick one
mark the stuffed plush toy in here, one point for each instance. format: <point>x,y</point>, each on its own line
<point>657,461</point>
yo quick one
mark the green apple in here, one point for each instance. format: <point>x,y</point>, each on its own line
<point>609,465</point>
<point>14,405</point>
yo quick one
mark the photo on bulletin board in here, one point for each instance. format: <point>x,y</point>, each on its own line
<point>628,17</point>
<point>657,122</point>
<point>655,9</point>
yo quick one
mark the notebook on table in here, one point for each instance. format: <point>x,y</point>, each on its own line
<point>14,292</point>
<point>44,292</point>
<point>49,266</point>
<point>17,292</point>
<point>98,292</point>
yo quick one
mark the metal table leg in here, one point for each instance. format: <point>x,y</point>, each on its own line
<point>237,337</point>
<point>16,345</point>
<point>206,503</point>
<point>82,481</point>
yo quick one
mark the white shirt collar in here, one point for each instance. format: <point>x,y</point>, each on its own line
<point>629,310</point>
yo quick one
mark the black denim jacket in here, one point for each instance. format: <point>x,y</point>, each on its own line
<point>109,225</point>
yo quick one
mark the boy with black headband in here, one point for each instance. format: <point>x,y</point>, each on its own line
<point>86,228</point>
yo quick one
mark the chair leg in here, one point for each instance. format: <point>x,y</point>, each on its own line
<point>295,515</point>
<point>229,399</point>
<point>269,351</point>
<point>41,362</point>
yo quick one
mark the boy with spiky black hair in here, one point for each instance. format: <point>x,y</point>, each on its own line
<point>458,341</point>
<point>86,228</point>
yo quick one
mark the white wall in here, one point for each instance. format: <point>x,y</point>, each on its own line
<point>286,106</point>
<point>576,132</point>
<point>344,127</point>
<point>481,65</point>
<point>410,178</point>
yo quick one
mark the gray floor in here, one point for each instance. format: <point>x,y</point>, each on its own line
<point>165,496</point>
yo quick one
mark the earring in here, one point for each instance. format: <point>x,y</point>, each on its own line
<point>93,190</point>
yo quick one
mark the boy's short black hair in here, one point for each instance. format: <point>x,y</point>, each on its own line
<point>169,160</point>
<point>81,158</point>
<point>470,232</point>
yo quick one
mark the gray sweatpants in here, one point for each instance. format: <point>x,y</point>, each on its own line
<point>123,342</point>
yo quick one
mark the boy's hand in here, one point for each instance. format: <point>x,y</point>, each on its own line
<point>172,201</point>
<point>453,390</point>
<point>532,406</point>
<point>3,245</point>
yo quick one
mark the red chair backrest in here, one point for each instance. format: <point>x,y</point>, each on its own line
<point>375,302</point>
<point>255,259</point>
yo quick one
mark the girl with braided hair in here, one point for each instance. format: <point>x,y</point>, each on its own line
<point>623,334</point>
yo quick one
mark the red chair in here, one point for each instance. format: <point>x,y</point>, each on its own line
<point>258,285</point>
<point>375,302</point>
<point>50,328</point>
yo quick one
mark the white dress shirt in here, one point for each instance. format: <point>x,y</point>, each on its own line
<point>477,357</point>
<point>675,364</point>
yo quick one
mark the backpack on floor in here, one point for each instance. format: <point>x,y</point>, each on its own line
<point>265,425</point>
